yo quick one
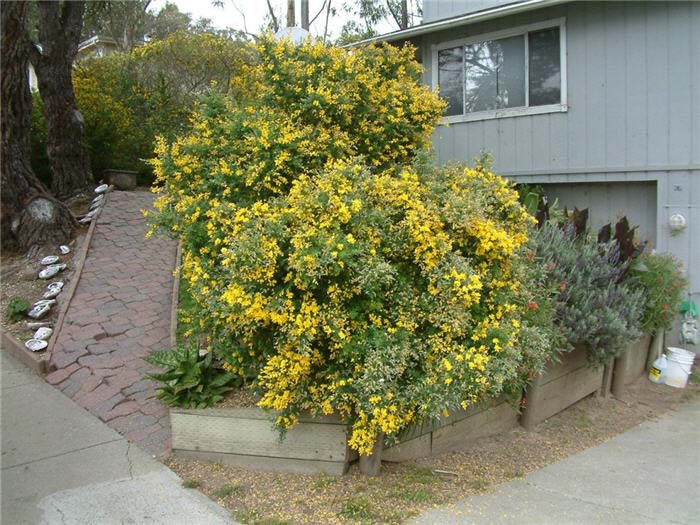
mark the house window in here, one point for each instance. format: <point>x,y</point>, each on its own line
<point>509,73</point>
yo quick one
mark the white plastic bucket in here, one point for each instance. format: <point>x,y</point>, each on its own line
<point>679,364</point>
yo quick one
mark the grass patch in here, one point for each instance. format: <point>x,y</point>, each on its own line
<point>244,515</point>
<point>16,309</point>
<point>420,475</point>
<point>358,508</point>
<point>583,422</point>
<point>192,483</point>
<point>227,490</point>
<point>415,496</point>
<point>323,481</point>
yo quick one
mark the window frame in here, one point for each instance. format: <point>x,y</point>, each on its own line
<point>562,106</point>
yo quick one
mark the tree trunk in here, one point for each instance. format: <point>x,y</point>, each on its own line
<point>29,216</point>
<point>291,21</point>
<point>305,14</point>
<point>60,24</point>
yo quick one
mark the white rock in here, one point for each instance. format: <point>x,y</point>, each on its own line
<point>55,284</point>
<point>43,333</point>
<point>51,293</point>
<point>49,259</point>
<point>39,311</point>
<point>65,250</point>
<point>102,188</point>
<point>50,271</point>
<point>85,220</point>
<point>42,302</point>
<point>35,345</point>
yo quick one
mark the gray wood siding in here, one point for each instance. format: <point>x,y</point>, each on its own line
<point>631,69</point>
<point>633,94</point>
<point>439,9</point>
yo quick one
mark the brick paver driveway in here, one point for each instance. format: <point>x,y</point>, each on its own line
<point>120,313</point>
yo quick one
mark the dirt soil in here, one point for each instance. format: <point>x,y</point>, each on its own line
<point>404,490</point>
<point>18,278</point>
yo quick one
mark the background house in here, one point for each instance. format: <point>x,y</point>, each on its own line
<point>597,101</point>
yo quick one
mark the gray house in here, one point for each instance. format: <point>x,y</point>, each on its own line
<point>597,101</point>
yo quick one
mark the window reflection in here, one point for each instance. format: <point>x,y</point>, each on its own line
<point>495,72</point>
<point>451,79</point>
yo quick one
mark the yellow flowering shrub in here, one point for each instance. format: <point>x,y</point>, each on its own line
<point>127,99</point>
<point>330,263</point>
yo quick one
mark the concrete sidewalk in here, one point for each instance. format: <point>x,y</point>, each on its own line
<point>650,474</point>
<point>60,464</point>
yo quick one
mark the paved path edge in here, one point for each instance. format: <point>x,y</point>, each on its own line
<point>176,296</point>
<point>73,285</point>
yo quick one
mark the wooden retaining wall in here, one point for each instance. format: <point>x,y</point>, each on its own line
<point>453,432</point>
<point>560,386</point>
<point>246,437</point>
<point>630,365</point>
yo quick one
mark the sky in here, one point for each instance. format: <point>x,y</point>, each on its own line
<point>242,14</point>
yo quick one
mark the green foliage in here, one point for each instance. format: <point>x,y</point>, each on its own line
<point>541,337</point>
<point>130,22</point>
<point>188,379</point>
<point>17,308</point>
<point>187,324</point>
<point>127,99</point>
<point>113,135</point>
<point>531,197</point>
<point>593,310</point>
<point>661,279</point>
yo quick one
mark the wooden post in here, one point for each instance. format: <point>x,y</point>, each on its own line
<point>617,385</point>
<point>532,398</point>
<point>656,349</point>
<point>608,378</point>
<point>370,465</point>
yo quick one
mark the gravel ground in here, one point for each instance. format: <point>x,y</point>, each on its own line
<point>404,490</point>
<point>18,279</point>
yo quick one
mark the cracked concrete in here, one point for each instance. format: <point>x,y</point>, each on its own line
<point>60,464</point>
<point>650,474</point>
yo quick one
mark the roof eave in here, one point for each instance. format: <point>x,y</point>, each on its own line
<point>471,18</point>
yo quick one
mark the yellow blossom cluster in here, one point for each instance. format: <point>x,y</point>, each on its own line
<point>329,263</point>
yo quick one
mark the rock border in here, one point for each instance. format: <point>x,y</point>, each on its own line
<point>73,285</point>
<point>38,362</point>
